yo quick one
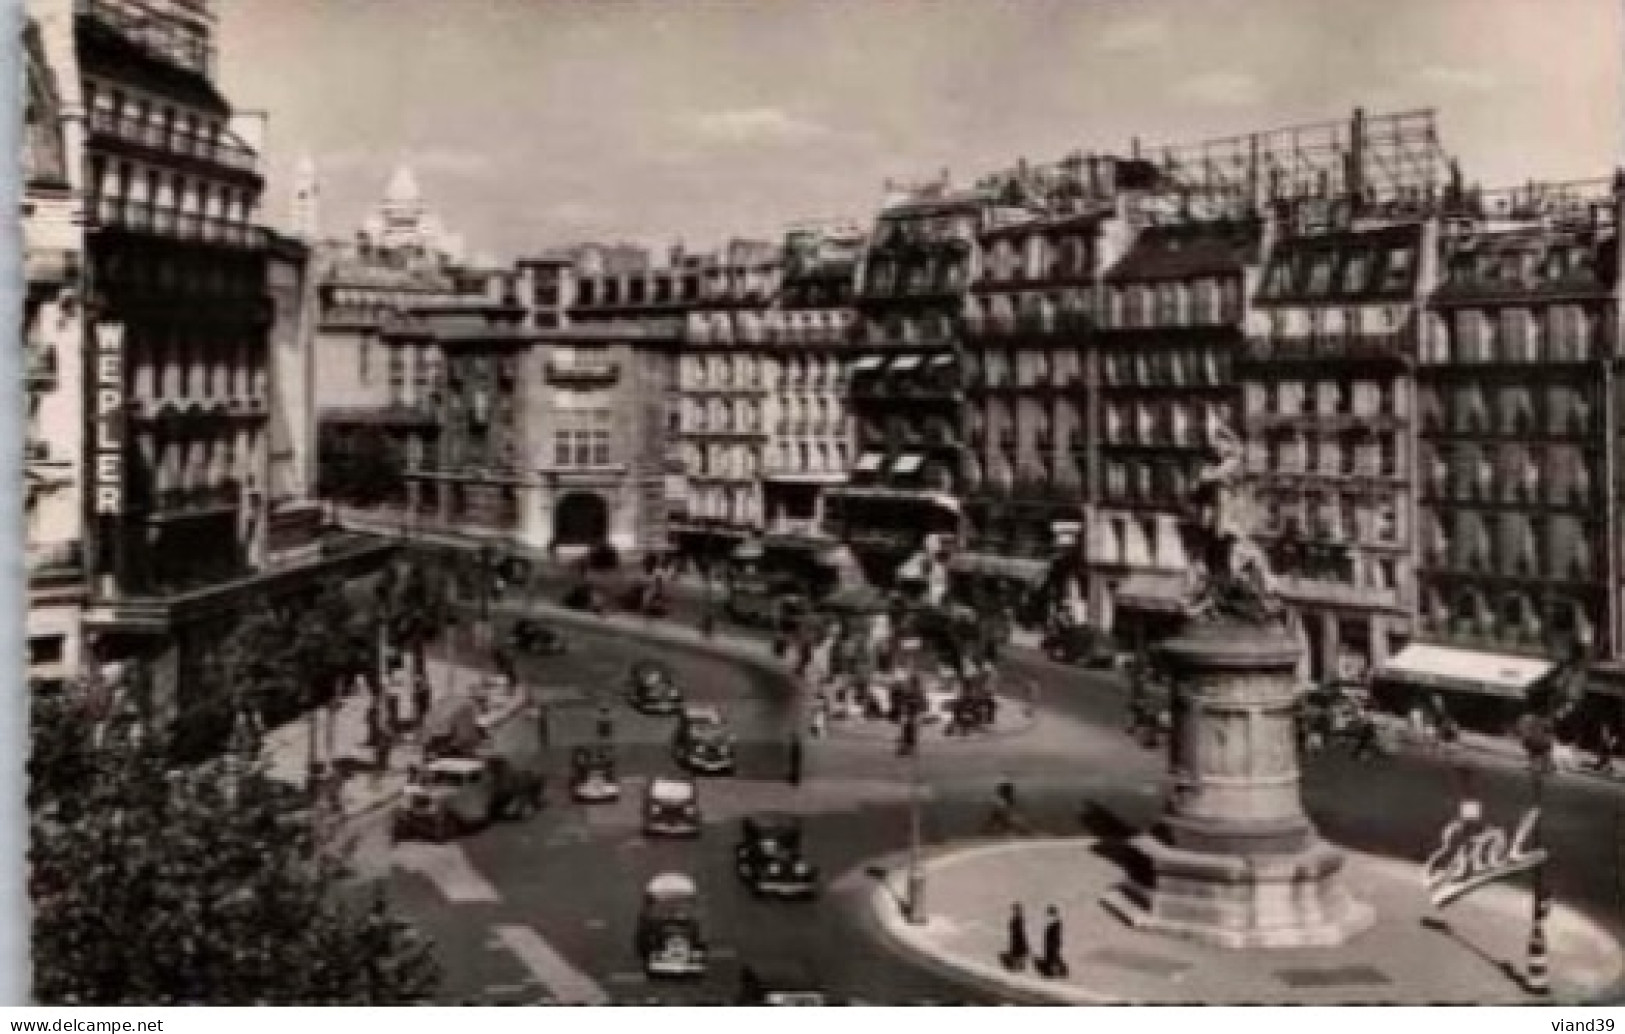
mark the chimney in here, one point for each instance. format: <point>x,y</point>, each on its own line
<point>1354,175</point>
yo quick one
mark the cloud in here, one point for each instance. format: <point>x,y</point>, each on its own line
<point>573,212</point>
<point>1223,89</point>
<point>753,126</point>
<point>1133,36</point>
<point>442,161</point>
<point>1454,77</point>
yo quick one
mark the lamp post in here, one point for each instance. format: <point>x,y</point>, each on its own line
<point>914,886</point>
<point>1538,743</point>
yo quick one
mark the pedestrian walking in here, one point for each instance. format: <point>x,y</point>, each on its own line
<point>793,774</point>
<point>908,740</point>
<point>819,726</point>
<point>1607,750</point>
<point>381,751</point>
<point>1052,963</point>
<point>1017,951</point>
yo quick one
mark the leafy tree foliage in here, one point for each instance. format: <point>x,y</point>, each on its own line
<point>360,466</point>
<point>154,884</point>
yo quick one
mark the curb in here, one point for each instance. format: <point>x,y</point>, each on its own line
<point>880,910</point>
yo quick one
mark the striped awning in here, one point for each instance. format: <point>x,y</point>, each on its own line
<point>868,362</point>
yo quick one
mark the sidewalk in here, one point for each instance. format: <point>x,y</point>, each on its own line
<point>341,733</point>
<point>1466,955</point>
<point>1568,760</point>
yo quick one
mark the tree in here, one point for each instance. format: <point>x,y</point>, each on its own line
<point>360,466</point>
<point>156,885</point>
<point>416,607</point>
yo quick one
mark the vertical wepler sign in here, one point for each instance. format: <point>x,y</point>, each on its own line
<point>108,484</point>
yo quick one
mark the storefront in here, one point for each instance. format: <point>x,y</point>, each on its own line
<point>1485,692</point>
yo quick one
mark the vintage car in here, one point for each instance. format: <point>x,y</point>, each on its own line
<point>1079,644</point>
<point>779,984</point>
<point>592,776</point>
<point>647,598</point>
<point>671,808</point>
<point>652,689</point>
<point>768,858</point>
<point>454,795</point>
<point>533,637</point>
<point>702,743</point>
<point>670,940</point>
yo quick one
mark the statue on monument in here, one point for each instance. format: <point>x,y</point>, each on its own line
<point>1230,574</point>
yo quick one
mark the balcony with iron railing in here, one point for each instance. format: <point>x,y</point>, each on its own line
<point>146,219</point>
<point>223,152</point>
<point>582,372</point>
<point>1396,346</point>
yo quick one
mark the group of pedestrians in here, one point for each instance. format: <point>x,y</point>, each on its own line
<point>1051,960</point>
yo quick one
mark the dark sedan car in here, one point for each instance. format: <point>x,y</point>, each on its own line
<point>533,637</point>
<point>652,689</point>
<point>768,858</point>
<point>702,744</point>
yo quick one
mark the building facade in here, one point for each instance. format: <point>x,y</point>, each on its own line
<point>905,389</point>
<point>179,295</point>
<point>725,401</point>
<point>1170,328</point>
<point>54,338</point>
<point>1327,378</point>
<point>1517,362</point>
<point>805,372</point>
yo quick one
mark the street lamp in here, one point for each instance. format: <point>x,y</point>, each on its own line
<point>1538,742</point>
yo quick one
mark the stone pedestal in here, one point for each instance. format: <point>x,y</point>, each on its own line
<point>1235,861</point>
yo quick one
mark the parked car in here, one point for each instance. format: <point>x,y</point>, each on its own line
<point>769,859</point>
<point>652,688</point>
<point>670,940</point>
<point>533,637</point>
<point>671,808</point>
<point>702,743</point>
<point>454,795</point>
<point>647,598</point>
<point>592,776</point>
<point>1079,644</point>
<point>586,597</point>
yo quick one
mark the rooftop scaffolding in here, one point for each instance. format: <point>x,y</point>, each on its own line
<point>1381,160</point>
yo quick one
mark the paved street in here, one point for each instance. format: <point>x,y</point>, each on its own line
<point>546,908</point>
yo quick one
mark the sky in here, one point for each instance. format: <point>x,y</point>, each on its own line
<point>535,123</point>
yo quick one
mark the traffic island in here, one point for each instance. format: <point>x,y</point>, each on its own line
<point>1469,954</point>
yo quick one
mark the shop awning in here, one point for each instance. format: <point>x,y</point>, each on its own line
<point>1447,667</point>
<point>869,462</point>
<point>907,463</point>
<point>1152,593</point>
<point>907,362</point>
<point>1024,569</point>
<point>868,362</point>
<point>943,360</point>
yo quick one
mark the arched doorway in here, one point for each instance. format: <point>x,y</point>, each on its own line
<point>580,519</point>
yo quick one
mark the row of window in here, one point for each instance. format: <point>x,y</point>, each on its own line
<point>1362,398</point>
<point>1324,272</point>
<point>1294,453</point>
<point>1509,544</point>
<point>1559,333</point>
<point>742,371</point>
<point>166,191</point>
<point>1509,617</point>
<point>198,370</point>
<point>1512,410</point>
<point>1167,367</point>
